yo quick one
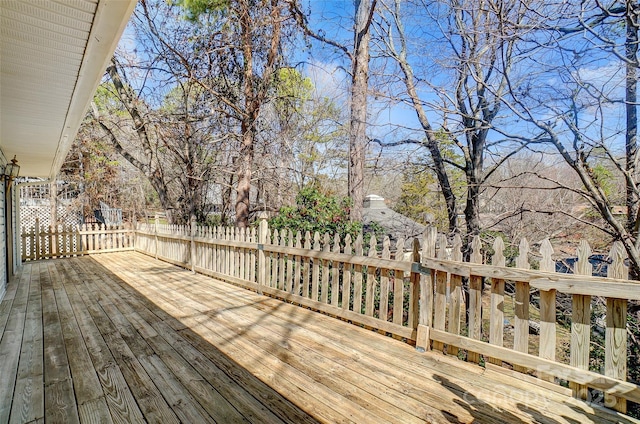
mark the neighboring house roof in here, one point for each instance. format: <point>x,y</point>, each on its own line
<point>395,225</point>
<point>52,58</point>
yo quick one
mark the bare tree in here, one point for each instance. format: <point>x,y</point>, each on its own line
<point>533,196</point>
<point>145,158</point>
<point>239,47</point>
<point>581,57</point>
<point>359,57</point>
<point>160,119</point>
<point>359,90</point>
<point>93,172</point>
<point>306,141</point>
<point>171,145</point>
<point>479,47</point>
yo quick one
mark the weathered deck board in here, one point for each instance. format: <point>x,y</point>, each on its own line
<point>233,392</point>
<point>12,344</point>
<point>59,400</point>
<point>117,396</point>
<point>223,325</point>
<point>130,339</point>
<point>29,406</point>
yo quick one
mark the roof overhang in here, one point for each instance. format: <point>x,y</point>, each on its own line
<point>52,58</point>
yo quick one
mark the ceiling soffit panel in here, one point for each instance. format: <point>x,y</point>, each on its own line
<point>52,57</point>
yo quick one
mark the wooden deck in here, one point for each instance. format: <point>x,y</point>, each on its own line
<point>123,338</point>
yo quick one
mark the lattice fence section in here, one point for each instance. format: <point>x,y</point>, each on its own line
<point>35,203</point>
<point>66,216</point>
<point>30,214</point>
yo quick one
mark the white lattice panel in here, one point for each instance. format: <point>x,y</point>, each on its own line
<point>29,214</point>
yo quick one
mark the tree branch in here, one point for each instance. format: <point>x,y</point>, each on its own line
<point>302,21</point>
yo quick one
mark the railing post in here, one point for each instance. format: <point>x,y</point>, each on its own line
<point>414,307</point>
<point>440,296</point>
<point>263,233</point>
<point>455,302</point>
<point>425,314</point>
<point>581,322</point>
<point>547,345</point>
<point>155,235</point>
<point>193,244</point>
<point>53,241</point>
<point>81,238</point>
<point>521,305</point>
<point>615,359</point>
<point>496,321</point>
<point>134,233</point>
<point>475,299</point>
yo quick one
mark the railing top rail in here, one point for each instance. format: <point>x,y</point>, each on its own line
<point>543,280</point>
<point>466,269</point>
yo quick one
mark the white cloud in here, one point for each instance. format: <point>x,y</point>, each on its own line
<point>329,79</point>
<point>609,79</point>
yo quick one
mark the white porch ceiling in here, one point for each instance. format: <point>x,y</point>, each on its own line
<point>53,54</point>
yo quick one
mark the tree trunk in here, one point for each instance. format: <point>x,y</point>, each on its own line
<point>474,169</point>
<point>433,147</point>
<point>225,207</point>
<point>157,182</point>
<point>247,128</point>
<point>432,144</point>
<point>244,177</point>
<point>255,90</point>
<point>358,119</point>
<point>471,211</point>
<point>150,168</point>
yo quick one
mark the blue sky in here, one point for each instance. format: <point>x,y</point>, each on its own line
<point>328,69</point>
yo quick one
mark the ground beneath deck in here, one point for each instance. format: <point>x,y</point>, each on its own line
<point>124,338</point>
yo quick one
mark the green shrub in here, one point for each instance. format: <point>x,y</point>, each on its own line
<point>317,211</point>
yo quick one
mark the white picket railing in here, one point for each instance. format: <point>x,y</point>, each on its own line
<point>39,242</point>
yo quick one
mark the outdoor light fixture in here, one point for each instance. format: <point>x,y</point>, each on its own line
<point>11,170</point>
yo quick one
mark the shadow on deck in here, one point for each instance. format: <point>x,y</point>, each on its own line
<point>123,338</point>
